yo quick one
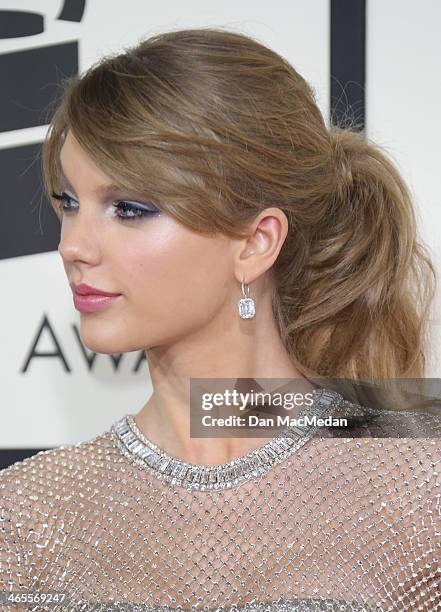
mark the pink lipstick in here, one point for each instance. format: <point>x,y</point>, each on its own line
<point>91,299</point>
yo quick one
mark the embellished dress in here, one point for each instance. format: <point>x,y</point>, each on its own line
<point>302,523</point>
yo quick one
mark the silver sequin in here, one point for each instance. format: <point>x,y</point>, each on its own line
<point>303,523</point>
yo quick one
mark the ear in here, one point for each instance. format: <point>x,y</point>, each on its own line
<point>259,250</point>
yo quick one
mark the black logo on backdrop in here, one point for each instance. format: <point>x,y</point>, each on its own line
<point>57,353</point>
<point>31,82</point>
<point>31,79</point>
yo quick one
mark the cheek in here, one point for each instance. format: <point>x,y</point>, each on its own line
<point>173,268</point>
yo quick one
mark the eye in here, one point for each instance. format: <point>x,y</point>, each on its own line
<point>126,211</point>
<point>63,200</point>
<point>134,211</point>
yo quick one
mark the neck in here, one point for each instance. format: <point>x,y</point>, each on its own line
<point>216,352</point>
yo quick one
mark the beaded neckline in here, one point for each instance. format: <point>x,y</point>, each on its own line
<point>167,468</point>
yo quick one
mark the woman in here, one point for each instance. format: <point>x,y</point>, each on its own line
<point>191,172</point>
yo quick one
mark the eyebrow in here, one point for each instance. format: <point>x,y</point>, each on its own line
<point>102,190</point>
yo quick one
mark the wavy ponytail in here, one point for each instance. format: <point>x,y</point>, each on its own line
<point>367,284</point>
<point>215,127</point>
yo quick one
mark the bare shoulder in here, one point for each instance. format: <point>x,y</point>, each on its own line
<point>397,450</point>
<point>46,461</point>
<point>403,445</point>
<point>36,495</point>
<point>51,468</point>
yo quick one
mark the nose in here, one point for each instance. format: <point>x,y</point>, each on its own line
<point>79,239</point>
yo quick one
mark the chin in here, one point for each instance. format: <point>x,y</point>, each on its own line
<point>107,344</point>
<point>110,344</point>
<point>104,348</point>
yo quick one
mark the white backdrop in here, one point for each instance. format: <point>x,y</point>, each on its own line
<point>48,406</point>
<point>403,101</point>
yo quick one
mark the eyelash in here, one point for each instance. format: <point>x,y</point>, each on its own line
<point>119,205</point>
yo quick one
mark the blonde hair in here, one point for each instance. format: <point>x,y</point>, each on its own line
<point>214,127</point>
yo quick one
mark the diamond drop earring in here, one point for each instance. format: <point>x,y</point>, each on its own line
<point>247,307</point>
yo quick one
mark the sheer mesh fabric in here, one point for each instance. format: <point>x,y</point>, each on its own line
<point>337,523</point>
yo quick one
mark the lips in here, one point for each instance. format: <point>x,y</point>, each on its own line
<point>84,289</point>
<point>93,303</point>
<point>91,299</point>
